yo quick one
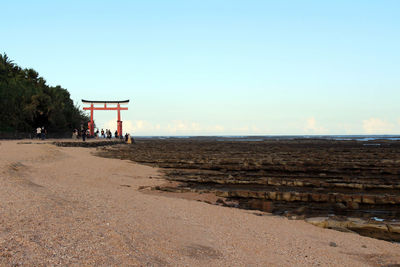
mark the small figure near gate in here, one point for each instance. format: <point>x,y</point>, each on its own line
<point>43,133</point>
<point>38,132</point>
<point>84,135</point>
<point>75,134</point>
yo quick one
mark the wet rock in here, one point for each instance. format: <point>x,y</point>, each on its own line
<point>314,197</point>
<point>339,206</point>
<point>88,143</point>
<point>220,201</point>
<point>299,183</point>
<point>242,194</point>
<point>256,194</point>
<point>356,199</point>
<point>352,205</point>
<point>318,221</point>
<point>271,195</point>
<point>368,199</point>
<point>394,228</point>
<point>295,217</point>
<point>286,196</point>
<point>262,205</point>
<point>301,210</point>
<point>332,244</point>
<point>324,198</point>
<point>360,226</point>
<point>222,193</point>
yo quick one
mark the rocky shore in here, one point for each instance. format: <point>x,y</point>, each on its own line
<point>89,143</point>
<point>299,179</point>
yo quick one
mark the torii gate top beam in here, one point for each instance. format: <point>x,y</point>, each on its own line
<point>105,102</point>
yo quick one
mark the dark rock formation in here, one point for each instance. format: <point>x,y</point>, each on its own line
<point>89,143</point>
<point>381,230</point>
<point>348,178</point>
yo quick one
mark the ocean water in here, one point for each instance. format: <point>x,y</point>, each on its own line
<point>361,138</point>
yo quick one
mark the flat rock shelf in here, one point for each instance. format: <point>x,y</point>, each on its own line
<point>89,143</point>
<point>298,178</point>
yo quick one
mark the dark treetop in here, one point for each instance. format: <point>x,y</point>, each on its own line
<point>27,102</point>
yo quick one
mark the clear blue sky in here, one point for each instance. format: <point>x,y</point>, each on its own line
<point>219,67</point>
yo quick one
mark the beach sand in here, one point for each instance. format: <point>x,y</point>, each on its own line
<point>65,206</point>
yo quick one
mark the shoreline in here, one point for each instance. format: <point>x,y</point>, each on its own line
<point>354,187</point>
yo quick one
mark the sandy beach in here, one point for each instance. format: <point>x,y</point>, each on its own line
<point>65,206</point>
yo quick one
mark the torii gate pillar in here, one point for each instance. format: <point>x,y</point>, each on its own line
<point>119,122</point>
<point>91,122</point>
<point>92,108</point>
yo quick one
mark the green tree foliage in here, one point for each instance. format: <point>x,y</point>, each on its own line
<point>27,102</point>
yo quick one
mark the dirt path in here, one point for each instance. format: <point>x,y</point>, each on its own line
<point>65,206</point>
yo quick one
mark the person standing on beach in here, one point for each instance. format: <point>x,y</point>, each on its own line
<point>84,135</point>
<point>43,133</point>
<point>74,134</point>
<point>38,132</point>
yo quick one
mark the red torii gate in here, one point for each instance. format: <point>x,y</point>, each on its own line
<point>92,108</point>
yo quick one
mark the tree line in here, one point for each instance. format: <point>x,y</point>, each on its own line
<point>27,102</point>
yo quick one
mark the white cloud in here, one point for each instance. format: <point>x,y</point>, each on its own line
<point>127,126</point>
<point>180,127</point>
<point>139,124</point>
<point>377,126</point>
<point>313,127</point>
<point>219,128</point>
<point>346,128</point>
<point>249,130</point>
<point>112,125</point>
<point>242,129</point>
<point>195,126</point>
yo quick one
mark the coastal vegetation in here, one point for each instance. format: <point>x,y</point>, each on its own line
<point>28,102</point>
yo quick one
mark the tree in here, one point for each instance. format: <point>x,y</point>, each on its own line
<point>26,102</point>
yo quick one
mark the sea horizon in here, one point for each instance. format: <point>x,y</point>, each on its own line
<point>360,137</point>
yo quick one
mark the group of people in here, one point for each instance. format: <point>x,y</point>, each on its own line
<point>106,134</point>
<point>84,133</point>
<point>77,134</point>
<point>41,133</point>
